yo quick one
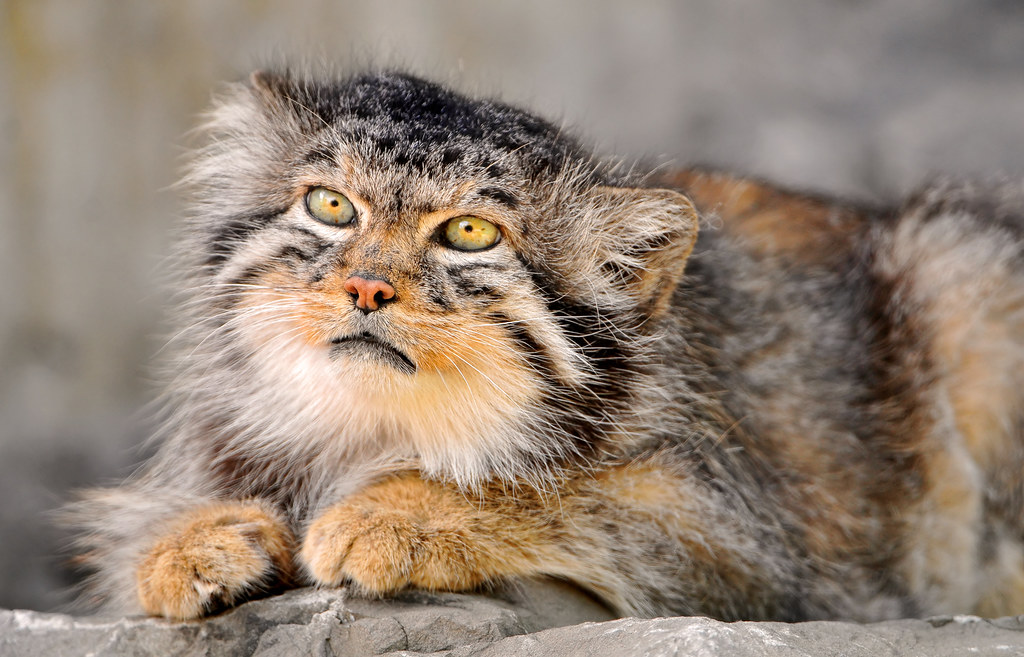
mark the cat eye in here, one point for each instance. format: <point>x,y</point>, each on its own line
<point>471,233</point>
<point>329,207</point>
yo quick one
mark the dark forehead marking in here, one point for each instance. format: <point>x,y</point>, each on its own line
<point>434,113</point>
<point>450,156</point>
<point>417,122</point>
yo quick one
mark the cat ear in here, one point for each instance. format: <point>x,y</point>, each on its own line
<point>269,85</point>
<point>646,237</point>
<point>282,95</point>
<point>262,79</point>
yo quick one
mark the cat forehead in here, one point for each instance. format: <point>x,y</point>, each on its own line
<point>400,120</point>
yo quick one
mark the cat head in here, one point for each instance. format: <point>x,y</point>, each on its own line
<point>381,263</point>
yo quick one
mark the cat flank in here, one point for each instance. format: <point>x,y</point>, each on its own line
<point>431,341</point>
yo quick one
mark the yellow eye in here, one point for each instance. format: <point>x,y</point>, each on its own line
<point>471,233</point>
<point>329,206</point>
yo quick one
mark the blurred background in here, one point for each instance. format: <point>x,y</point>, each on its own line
<point>860,98</point>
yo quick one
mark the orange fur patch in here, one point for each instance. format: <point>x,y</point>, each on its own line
<point>983,382</point>
<point>406,531</point>
<point>772,221</point>
<point>217,553</point>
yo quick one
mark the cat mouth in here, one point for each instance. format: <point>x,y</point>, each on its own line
<point>367,346</point>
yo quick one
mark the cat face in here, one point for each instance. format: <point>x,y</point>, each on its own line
<point>391,264</point>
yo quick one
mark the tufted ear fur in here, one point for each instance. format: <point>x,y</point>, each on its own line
<point>269,85</point>
<point>645,236</point>
<point>275,93</point>
<point>279,96</point>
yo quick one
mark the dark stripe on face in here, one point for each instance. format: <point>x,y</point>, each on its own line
<point>506,198</point>
<point>532,350</point>
<point>306,251</point>
<point>535,273</point>
<point>228,236</point>
<point>441,301</point>
<point>320,155</point>
<point>597,336</point>
<point>432,282</point>
<point>292,253</point>
<point>305,232</point>
<point>459,270</point>
<point>478,290</point>
<point>461,277</point>
<point>601,335</point>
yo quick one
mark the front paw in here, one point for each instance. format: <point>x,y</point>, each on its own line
<point>404,532</point>
<point>374,548</point>
<point>218,553</point>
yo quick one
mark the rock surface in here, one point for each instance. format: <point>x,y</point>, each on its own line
<point>309,622</point>
<point>537,619</point>
<point>702,637</point>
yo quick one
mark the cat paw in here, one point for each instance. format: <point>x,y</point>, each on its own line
<point>219,553</point>
<point>374,548</point>
<point>401,533</point>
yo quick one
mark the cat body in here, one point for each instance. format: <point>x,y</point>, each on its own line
<point>507,357</point>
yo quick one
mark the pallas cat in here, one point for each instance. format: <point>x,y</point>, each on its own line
<point>433,341</point>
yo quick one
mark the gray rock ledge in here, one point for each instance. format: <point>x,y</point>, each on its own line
<point>535,618</point>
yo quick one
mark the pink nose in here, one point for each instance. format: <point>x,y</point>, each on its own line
<point>369,294</point>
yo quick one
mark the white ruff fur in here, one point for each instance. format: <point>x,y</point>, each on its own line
<point>461,424</point>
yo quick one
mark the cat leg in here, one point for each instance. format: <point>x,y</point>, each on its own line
<point>406,531</point>
<point>214,555</point>
<point>644,540</point>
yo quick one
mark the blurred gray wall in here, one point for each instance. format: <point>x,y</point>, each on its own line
<point>863,98</point>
